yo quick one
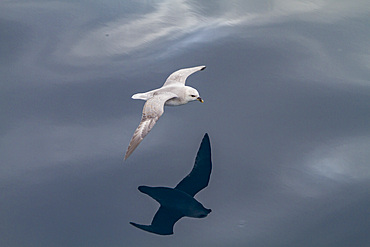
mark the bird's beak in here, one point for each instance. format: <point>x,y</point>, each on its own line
<point>200,100</point>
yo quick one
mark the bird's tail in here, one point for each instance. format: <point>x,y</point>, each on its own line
<point>142,96</point>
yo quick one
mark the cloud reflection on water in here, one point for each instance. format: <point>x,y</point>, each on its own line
<point>171,22</point>
<point>286,101</point>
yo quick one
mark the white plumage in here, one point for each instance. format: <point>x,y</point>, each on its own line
<point>173,93</point>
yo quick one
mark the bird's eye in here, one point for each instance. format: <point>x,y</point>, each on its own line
<point>193,95</point>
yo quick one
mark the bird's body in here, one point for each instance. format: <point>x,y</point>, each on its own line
<point>172,93</point>
<point>179,99</point>
<point>177,200</point>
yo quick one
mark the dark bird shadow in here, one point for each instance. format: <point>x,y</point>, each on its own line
<point>179,202</point>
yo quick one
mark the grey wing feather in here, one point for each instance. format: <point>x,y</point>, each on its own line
<point>152,111</point>
<point>199,176</point>
<point>179,76</point>
<point>162,223</point>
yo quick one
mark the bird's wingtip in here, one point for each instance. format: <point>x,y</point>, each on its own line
<point>206,136</point>
<point>126,156</point>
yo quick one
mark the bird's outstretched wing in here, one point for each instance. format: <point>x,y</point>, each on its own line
<point>162,223</point>
<point>179,76</point>
<point>153,109</point>
<point>199,176</point>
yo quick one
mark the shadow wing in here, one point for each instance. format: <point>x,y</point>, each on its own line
<point>162,223</point>
<point>199,176</point>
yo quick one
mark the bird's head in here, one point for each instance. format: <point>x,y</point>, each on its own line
<point>192,94</point>
<point>202,213</point>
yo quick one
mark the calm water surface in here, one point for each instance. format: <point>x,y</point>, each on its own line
<point>287,99</point>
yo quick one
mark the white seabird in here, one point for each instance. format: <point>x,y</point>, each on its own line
<point>172,93</point>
